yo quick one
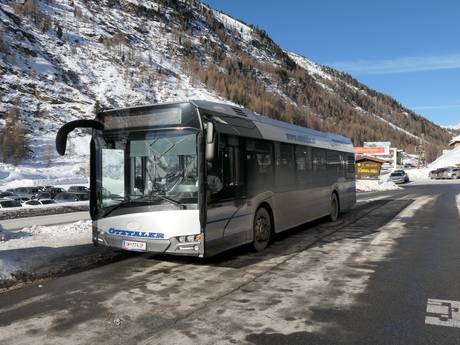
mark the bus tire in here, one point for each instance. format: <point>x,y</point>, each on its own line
<point>262,229</point>
<point>334,208</point>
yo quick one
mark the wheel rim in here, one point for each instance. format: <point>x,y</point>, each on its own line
<point>262,229</point>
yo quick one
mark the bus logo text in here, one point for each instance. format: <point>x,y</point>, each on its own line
<point>130,233</point>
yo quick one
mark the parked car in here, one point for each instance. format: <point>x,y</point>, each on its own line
<point>399,176</point>
<point>433,174</point>
<point>440,173</point>
<point>53,191</point>
<point>451,173</point>
<point>27,192</point>
<point>31,203</point>
<point>43,195</point>
<point>20,199</point>
<point>47,201</point>
<point>8,203</point>
<point>36,202</point>
<point>7,195</point>
<point>78,189</point>
<point>71,197</point>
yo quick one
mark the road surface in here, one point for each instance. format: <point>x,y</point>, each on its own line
<point>386,273</point>
<point>53,219</point>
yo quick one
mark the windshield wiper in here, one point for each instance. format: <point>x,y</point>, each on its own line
<point>126,200</point>
<point>161,196</point>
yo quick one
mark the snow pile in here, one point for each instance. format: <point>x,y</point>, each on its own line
<point>418,174</point>
<point>40,246</point>
<point>448,159</point>
<point>375,185</point>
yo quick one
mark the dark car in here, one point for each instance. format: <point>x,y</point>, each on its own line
<point>71,197</point>
<point>440,173</point>
<point>47,201</point>
<point>27,192</point>
<point>433,174</point>
<point>78,189</point>
<point>399,176</point>
<point>7,195</point>
<point>53,191</point>
<point>8,203</point>
<point>43,195</point>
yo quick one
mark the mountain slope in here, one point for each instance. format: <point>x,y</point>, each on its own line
<point>58,57</point>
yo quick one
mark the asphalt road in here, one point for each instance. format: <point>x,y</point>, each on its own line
<point>386,273</point>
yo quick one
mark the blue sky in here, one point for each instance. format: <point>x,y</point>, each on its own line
<point>409,49</point>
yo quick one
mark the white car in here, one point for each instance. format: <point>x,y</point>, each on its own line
<point>38,202</point>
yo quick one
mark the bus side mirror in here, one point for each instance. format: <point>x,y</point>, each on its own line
<point>61,136</point>
<point>209,153</point>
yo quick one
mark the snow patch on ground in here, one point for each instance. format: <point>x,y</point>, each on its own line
<point>418,174</point>
<point>39,246</point>
<point>375,185</point>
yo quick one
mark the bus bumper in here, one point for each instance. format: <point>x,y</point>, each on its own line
<point>169,246</point>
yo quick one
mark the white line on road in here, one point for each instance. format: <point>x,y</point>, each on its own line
<point>458,203</point>
<point>443,313</point>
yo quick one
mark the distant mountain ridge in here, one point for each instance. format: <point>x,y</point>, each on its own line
<point>58,57</point>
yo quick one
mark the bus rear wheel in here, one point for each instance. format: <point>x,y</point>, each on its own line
<point>334,208</point>
<point>262,229</point>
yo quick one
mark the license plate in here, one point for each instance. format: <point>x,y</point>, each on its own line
<point>135,246</point>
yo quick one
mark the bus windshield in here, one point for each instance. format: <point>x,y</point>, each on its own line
<point>147,167</point>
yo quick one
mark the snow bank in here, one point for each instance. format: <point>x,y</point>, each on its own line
<point>375,185</point>
<point>448,159</point>
<point>418,174</point>
<point>37,247</point>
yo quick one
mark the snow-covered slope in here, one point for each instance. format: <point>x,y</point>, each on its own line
<point>58,57</point>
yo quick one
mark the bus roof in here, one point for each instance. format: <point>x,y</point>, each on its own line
<point>263,127</point>
<point>271,129</point>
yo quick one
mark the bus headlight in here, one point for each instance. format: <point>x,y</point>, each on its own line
<point>189,238</point>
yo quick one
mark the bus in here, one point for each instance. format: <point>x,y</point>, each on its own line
<point>198,178</point>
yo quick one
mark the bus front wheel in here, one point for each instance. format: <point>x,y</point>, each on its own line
<point>262,230</point>
<point>334,208</point>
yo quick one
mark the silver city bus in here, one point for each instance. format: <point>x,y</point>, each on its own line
<point>197,178</point>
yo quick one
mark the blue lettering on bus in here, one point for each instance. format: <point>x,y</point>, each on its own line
<point>130,233</point>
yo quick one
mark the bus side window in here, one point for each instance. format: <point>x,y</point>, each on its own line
<point>303,164</point>
<point>350,166</point>
<point>285,165</point>
<point>226,169</point>
<point>259,164</point>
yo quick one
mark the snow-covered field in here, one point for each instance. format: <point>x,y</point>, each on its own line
<point>32,251</point>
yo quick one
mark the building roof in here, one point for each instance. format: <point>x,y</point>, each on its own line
<point>455,140</point>
<point>368,158</point>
